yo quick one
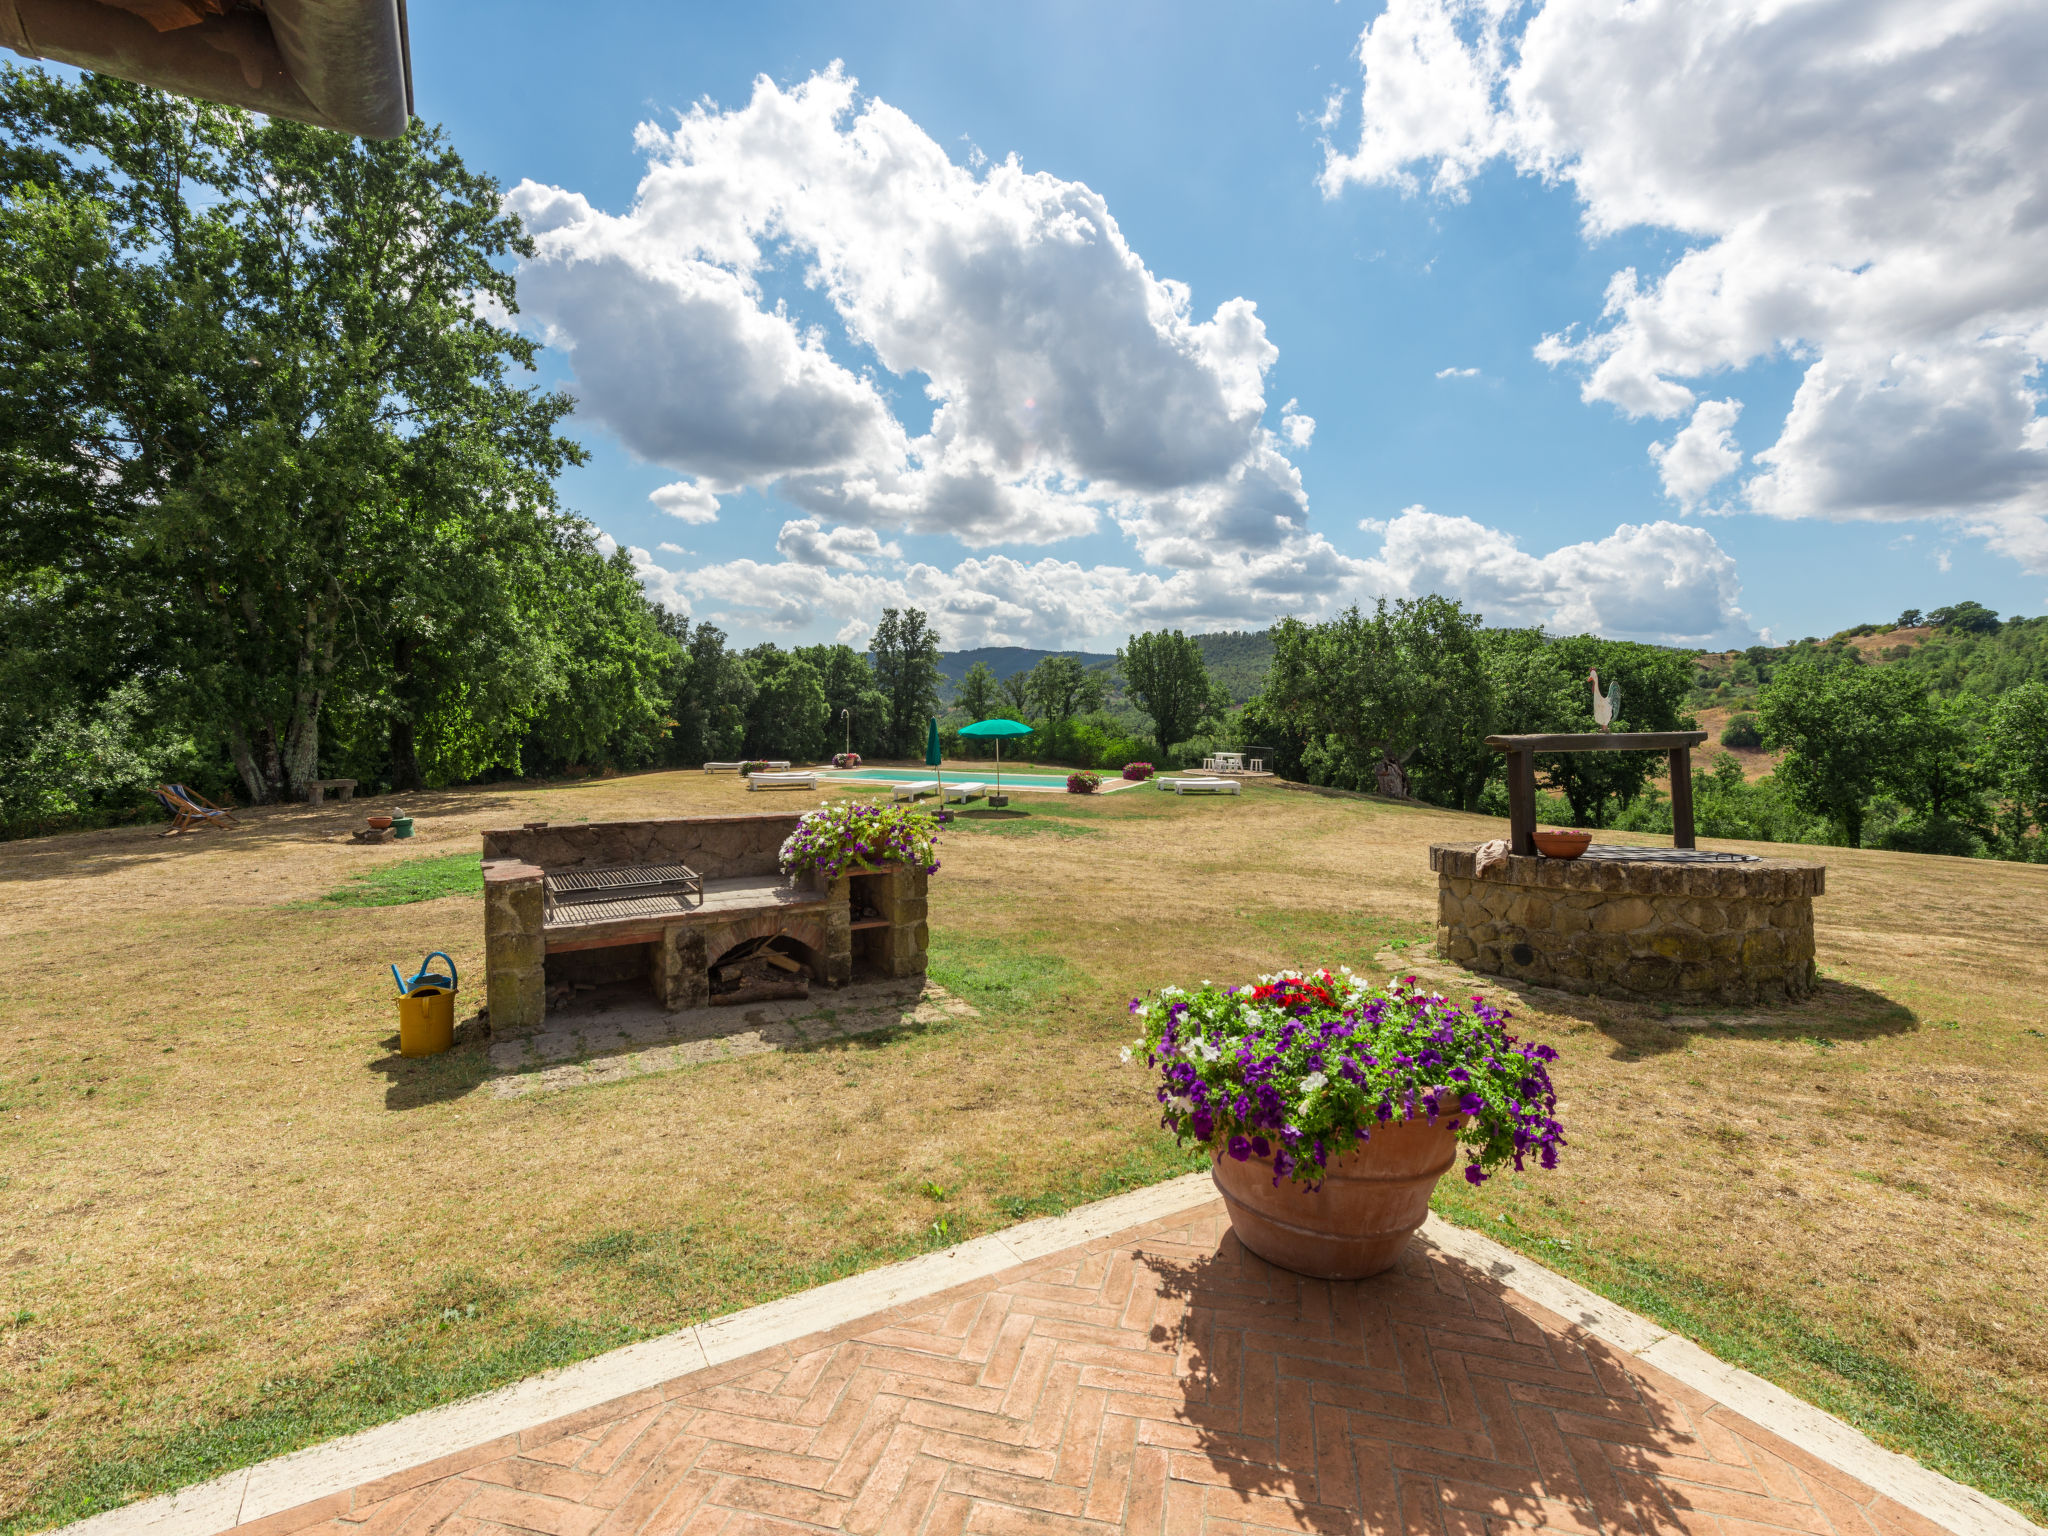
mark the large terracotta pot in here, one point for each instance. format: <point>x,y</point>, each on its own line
<point>1370,1204</point>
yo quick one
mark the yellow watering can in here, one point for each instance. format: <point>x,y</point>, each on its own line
<point>426,1009</point>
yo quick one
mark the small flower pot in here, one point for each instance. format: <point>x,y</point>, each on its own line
<point>1562,842</point>
<point>1371,1201</point>
<point>379,823</point>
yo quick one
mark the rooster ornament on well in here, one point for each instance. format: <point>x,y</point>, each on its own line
<point>1605,707</point>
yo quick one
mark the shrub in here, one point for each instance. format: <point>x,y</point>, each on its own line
<point>1138,771</point>
<point>1744,732</point>
<point>853,833</point>
<point>1083,783</point>
<point>845,759</point>
<point>1304,1068</point>
<point>752,766</point>
<point>1901,831</point>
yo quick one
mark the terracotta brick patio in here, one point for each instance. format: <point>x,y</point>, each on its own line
<point>1161,1380</point>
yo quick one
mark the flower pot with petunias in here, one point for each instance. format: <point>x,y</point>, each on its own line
<point>1330,1108</point>
<point>848,836</point>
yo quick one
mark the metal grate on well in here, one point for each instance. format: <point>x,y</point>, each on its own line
<point>1623,853</point>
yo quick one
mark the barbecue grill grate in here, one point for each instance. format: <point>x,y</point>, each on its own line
<point>637,890</point>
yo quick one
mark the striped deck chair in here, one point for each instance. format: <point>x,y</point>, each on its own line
<point>191,810</point>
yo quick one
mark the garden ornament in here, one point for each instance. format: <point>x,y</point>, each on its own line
<point>1604,709</point>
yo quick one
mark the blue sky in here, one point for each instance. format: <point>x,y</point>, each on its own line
<point>1203,129</point>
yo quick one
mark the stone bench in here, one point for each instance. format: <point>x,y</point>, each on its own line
<point>316,789</point>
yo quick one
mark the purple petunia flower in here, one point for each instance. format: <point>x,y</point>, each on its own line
<point>1240,1149</point>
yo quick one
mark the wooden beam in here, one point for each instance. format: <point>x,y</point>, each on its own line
<point>1522,803</point>
<point>1600,741</point>
<point>608,939</point>
<point>1681,797</point>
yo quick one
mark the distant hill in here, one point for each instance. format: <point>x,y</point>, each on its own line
<point>1236,659</point>
<point>1985,659</point>
<point>1006,659</point>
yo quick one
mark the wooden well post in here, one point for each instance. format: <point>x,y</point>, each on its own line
<point>1521,754</point>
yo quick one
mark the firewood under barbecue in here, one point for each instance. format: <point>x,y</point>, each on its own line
<point>758,977</point>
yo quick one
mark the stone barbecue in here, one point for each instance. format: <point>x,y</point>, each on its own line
<point>1655,924</point>
<point>694,906</point>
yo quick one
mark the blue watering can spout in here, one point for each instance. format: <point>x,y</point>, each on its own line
<point>426,978</point>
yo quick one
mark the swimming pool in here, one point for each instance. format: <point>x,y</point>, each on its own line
<point>954,774</point>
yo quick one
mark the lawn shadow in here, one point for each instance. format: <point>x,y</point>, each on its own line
<point>262,829</point>
<point>988,815</point>
<point>1837,1012</point>
<point>1346,1401</point>
<point>415,1081</point>
<point>618,1033</point>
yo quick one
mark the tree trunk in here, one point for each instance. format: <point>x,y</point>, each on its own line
<point>253,782</point>
<point>257,761</point>
<point>405,762</point>
<point>316,664</point>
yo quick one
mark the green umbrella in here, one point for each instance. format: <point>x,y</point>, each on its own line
<point>931,756</point>
<point>997,729</point>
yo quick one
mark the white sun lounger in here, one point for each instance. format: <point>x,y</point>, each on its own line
<point>1207,787</point>
<point>913,789</point>
<point>721,767</point>
<point>963,792</point>
<point>782,781</point>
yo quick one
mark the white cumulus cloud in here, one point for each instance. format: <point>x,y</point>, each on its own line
<point>1864,188</point>
<point>1664,582</point>
<point>1702,455</point>
<point>1067,379</point>
<point>808,542</point>
<point>686,499</point>
<point>1457,373</point>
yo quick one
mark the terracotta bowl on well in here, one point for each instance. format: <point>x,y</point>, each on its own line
<point>379,823</point>
<point>1562,842</point>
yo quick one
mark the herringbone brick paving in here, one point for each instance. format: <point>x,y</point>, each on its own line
<point>1161,1381</point>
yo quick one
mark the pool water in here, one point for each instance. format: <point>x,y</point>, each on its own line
<point>953,774</point>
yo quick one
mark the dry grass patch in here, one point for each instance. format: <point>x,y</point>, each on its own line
<point>233,1220</point>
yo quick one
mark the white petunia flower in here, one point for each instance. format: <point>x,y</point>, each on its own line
<point>1124,1055</point>
<point>1313,1081</point>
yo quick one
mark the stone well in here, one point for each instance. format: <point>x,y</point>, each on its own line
<point>1653,924</point>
